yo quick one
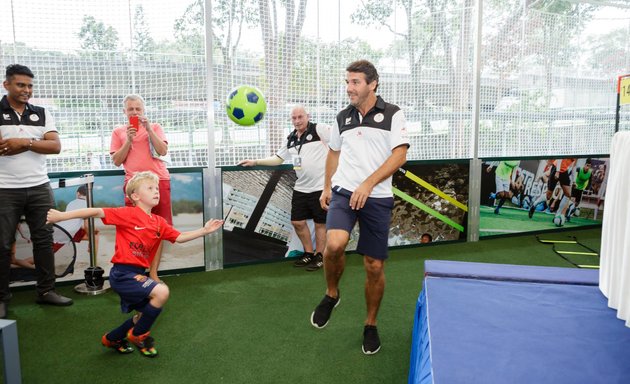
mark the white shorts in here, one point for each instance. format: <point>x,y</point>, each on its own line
<point>502,185</point>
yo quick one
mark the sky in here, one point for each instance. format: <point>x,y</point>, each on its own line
<point>55,24</point>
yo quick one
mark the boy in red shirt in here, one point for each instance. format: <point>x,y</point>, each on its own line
<point>138,236</point>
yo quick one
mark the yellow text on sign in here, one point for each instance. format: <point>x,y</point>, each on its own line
<point>624,91</point>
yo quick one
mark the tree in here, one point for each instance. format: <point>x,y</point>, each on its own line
<point>142,40</point>
<point>279,46</point>
<point>332,58</point>
<point>551,32</point>
<point>189,29</point>
<point>428,38</point>
<point>438,37</point>
<point>228,19</point>
<point>96,36</point>
<point>541,32</point>
<point>609,52</point>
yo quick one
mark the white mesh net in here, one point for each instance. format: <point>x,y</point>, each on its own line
<point>548,71</point>
<point>554,88</point>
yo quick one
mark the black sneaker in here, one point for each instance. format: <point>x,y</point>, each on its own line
<point>371,341</point>
<point>532,209</point>
<point>305,260</point>
<point>317,263</point>
<point>321,314</point>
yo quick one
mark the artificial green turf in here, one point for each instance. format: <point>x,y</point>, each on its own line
<point>514,220</point>
<point>251,324</point>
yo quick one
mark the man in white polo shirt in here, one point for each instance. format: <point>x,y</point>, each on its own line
<point>27,135</point>
<point>307,148</point>
<point>368,143</point>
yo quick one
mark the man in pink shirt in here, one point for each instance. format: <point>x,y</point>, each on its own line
<point>139,146</point>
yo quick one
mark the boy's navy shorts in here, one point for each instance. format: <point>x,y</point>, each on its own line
<point>132,284</point>
<point>374,221</point>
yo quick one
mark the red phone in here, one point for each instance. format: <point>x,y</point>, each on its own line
<point>134,122</point>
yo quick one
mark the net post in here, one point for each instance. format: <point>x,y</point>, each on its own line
<point>94,283</point>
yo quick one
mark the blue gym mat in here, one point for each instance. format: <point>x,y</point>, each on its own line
<point>471,330</point>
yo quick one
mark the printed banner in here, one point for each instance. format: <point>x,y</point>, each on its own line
<point>534,195</point>
<point>71,242</point>
<point>430,204</point>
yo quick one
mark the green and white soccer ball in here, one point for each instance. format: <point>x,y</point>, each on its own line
<point>246,105</point>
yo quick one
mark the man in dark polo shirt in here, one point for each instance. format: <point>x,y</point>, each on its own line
<point>27,135</point>
<point>368,143</point>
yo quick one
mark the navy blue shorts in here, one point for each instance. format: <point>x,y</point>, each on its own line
<point>374,221</point>
<point>132,284</point>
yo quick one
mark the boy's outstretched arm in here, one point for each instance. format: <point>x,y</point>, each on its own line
<point>55,216</point>
<point>211,226</point>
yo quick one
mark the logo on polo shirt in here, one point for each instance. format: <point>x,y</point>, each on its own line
<point>6,116</point>
<point>309,137</point>
<point>348,120</point>
<point>379,117</point>
<point>34,117</point>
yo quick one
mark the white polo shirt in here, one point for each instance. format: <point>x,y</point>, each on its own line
<point>26,169</point>
<point>366,142</point>
<point>312,149</point>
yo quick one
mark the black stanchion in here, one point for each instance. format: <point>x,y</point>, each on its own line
<point>94,283</point>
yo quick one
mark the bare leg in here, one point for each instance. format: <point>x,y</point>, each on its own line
<point>320,237</point>
<point>562,210</point>
<point>24,263</point>
<point>335,259</point>
<point>155,265</point>
<point>301,229</point>
<point>374,287</point>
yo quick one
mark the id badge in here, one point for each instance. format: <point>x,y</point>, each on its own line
<point>297,163</point>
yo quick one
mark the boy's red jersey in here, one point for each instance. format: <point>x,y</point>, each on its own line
<point>138,235</point>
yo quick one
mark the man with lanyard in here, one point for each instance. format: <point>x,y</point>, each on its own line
<point>27,135</point>
<point>368,143</point>
<point>307,147</point>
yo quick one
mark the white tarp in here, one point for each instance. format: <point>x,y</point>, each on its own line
<point>614,273</point>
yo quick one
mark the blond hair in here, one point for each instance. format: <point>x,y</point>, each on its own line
<point>138,179</point>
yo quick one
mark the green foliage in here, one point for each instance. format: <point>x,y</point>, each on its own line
<point>608,52</point>
<point>186,206</point>
<point>374,13</point>
<point>95,35</point>
<point>61,205</point>
<point>189,29</point>
<point>332,56</point>
<point>104,204</point>
<point>143,42</point>
<point>228,19</point>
